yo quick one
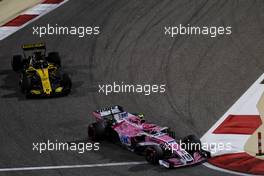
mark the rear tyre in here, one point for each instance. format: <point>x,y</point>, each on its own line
<point>96,131</point>
<point>16,63</point>
<point>153,154</point>
<point>54,57</point>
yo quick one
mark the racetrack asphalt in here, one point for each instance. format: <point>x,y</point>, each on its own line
<point>204,77</point>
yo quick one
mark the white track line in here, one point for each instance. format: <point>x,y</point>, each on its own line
<point>70,166</point>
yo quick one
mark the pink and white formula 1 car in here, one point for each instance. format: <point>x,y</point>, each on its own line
<point>155,142</point>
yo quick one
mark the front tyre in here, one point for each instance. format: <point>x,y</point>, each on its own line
<point>153,154</point>
<point>25,84</point>
<point>66,83</point>
<point>205,154</point>
<point>192,144</point>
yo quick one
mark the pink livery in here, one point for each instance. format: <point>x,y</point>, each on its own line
<point>158,144</point>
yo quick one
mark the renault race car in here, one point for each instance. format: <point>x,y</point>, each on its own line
<point>158,144</point>
<point>40,75</point>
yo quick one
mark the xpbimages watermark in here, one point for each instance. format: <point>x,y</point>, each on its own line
<point>212,147</point>
<point>212,31</point>
<point>80,31</point>
<point>145,89</point>
<point>79,147</point>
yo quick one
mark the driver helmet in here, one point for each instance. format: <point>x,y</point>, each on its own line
<point>40,64</point>
<point>141,115</point>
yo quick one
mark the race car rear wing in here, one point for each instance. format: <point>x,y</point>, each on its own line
<point>110,110</point>
<point>34,46</point>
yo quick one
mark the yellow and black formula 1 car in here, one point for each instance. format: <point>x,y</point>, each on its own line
<point>40,75</point>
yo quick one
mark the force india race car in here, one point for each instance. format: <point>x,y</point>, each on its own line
<point>40,75</point>
<point>157,143</point>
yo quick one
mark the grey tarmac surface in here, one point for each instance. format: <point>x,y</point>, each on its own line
<point>204,77</point>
